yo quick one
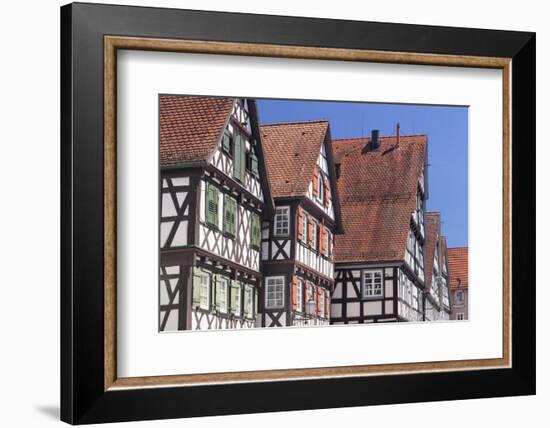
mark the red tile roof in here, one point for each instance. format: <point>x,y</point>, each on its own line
<point>291,151</point>
<point>190,127</point>
<point>378,196</point>
<point>433,228</point>
<point>458,267</point>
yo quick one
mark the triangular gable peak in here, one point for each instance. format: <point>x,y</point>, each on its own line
<point>321,189</point>
<point>238,153</point>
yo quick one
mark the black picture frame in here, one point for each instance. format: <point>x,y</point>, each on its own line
<point>83,399</point>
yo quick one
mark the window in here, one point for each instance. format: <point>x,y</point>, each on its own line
<point>249,301</point>
<point>282,221</point>
<point>299,295</point>
<point>322,303</point>
<point>304,227</point>
<point>372,284</point>
<point>327,242</point>
<point>459,294</point>
<point>274,291</point>
<point>204,290</point>
<point>212,201</point>
<point>235,298</point>
<point>313,234</point>
<point>460,316</point>
<point>255,231</point>
<point>252,162</point>
<point>221,291</point>
<point>321,186</point>
<point>227,142</point>
<point>230,215</point>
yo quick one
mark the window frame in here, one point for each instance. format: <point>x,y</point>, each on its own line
<point>208,296</point>
<point>320,187</point>
<point>365,288</point>
<point>267,287</point>
<point>219,281</point>
<point>299,295</point>
<point>287,209</point>
<point>314,233</point>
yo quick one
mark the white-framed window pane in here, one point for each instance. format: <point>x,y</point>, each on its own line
<point>205,291</point>
<point>314,235</point>
<point>372,283</point>
<point>299,297</point>
<point>304,227</point>
<point>222,283</point>
<point>282,221</point>
<point>275,291</point>
<point>321,186</point>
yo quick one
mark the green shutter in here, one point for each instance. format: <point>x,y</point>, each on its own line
<point>196,286</point>
<point>254,163</point>
<point>238,158</point>
<point>229,215</point>
<point>226,141</point>
<point>212,201</point>
<point>255,230</point>
<point>215,292</point>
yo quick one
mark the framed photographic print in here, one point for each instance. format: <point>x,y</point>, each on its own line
<point>257,207</point>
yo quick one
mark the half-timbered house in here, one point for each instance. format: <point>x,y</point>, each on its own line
<point>436,291</point>
<point>380,257</point>
<point>214,195</point>
<point>297,247</point>
<point>458,279</point>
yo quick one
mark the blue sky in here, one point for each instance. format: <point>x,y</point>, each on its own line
<point>446,128</point>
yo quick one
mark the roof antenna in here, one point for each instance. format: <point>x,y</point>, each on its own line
<point>398,133</point>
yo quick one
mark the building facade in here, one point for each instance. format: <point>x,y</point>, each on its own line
<point>297,246</point>
<point>382,182</point>
<point>436,291</point>
<point>214,197</point>
<point>458,279</point>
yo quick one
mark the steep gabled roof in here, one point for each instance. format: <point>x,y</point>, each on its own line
<point>457,259</point>
<point>433,230</point>
<point>291,151</point>
<point>378,196</point>
<point>190,127</point>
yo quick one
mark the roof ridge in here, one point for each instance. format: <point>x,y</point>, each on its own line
<point>381,136</point>
<point>298,122</point>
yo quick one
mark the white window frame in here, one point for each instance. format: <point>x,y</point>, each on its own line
<point>204,302</point>
<point>249,294</point>
<point>314,232</point>
<point>280,230</point>
<point>304,227</point>
<point>320,188</point>
<point>322,303</point>
<point>223,283</point>
<point>238,302</point>
<point>372,294</point>
<point>300,295</point>
<point>461,299</point>
<point>269,301</point>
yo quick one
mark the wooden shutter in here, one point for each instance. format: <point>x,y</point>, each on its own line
<point>212,205</point>
<point>319,297</point>
<point>254,162</point>
<point>294,292</point>
<point>327,305</point>
<point>255,230</point>
<point>300,224</point>
<point>327,193</point>
<point>238,158</point>
<point>322,238</point>
<point>316,181</point>
<point>309,231</point>
<point>196,286</point>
